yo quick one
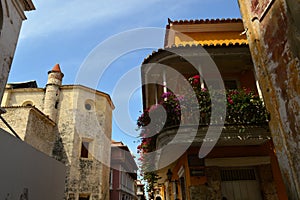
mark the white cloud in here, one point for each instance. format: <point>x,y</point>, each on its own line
<point>58,16</point>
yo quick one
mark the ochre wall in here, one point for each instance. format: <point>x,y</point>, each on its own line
<point>209,38</point>
<point>271,29</point>
<point>234,151</point>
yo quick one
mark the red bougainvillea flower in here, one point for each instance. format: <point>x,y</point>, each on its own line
<point>230,100</point>
<point>196,79</point>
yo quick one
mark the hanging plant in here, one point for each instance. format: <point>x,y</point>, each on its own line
<point>243,106</point>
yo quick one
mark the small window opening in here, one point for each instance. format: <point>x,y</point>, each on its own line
<point>27,103</point>
<point>56,105</point>
<point>88,106</point>
<point>111,178</point>
<point>84,196</point>
<point>84,149</point>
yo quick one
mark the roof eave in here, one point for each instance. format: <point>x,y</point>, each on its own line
<point>28,5</point>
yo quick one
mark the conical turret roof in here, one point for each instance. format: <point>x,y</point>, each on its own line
<point>56,68</point>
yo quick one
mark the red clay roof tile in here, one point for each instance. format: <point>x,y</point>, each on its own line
<point>56,68</point>
<point>204,21</point>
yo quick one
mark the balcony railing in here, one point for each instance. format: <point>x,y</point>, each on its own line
<point>242,119</point>
<point>246,118</point>
<point>127,189</point>
<point>231,135</point>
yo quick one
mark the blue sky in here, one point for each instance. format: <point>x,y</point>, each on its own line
<point>65,32</point>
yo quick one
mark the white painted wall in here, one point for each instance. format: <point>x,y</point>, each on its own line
<point>24,170</point>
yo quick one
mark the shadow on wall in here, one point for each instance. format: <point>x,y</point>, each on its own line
<point>58,151</point>
<point>294,25</point>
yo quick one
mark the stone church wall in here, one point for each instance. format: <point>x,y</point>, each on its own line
<point>31,126</point>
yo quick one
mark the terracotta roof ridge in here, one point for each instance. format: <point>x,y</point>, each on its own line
<point>203,21</point>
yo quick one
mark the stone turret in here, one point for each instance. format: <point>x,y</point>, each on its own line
<point>51,101</point>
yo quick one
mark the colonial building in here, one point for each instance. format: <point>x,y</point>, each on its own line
<point>71,123</point>
<point>123,173</point>
<point>238,163</point>
<point>140,190</point>
<point>25,172</point>
<point>11,17</point>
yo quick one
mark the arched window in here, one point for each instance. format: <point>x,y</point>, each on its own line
<point>27,103</point>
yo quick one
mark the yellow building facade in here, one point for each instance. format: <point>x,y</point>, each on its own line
<point>242,164</point>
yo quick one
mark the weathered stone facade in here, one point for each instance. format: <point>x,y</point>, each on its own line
<point>26,120</point>
<point>267,182</point>
<point>11,17</point>
<point>273,33</point>
<point>70,120</point>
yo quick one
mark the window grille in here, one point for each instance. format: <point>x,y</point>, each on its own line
<point>237,174</point>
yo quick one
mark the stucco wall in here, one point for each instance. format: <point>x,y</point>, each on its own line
<point>27,171</point>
